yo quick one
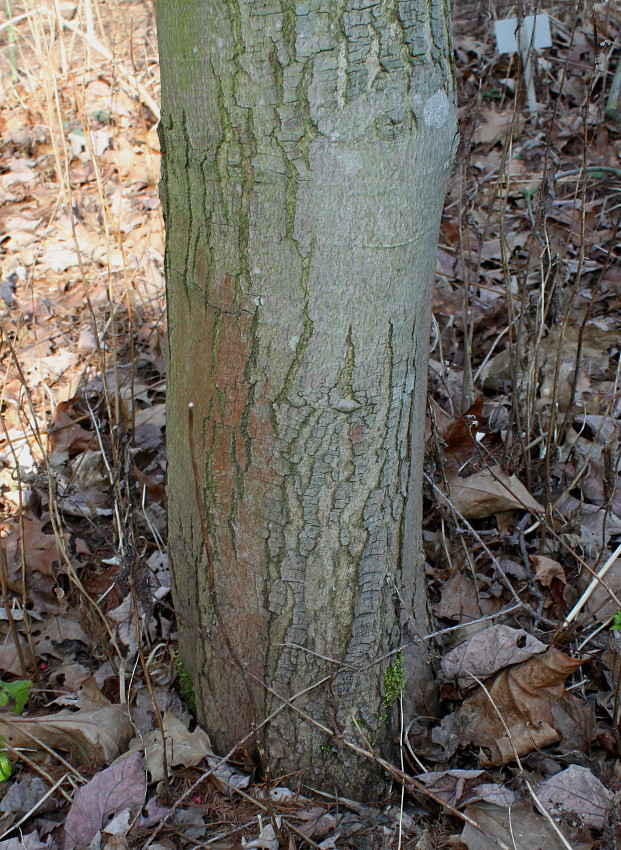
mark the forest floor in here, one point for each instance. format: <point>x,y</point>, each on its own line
<point>523,503</point>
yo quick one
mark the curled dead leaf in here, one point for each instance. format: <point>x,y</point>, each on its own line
<point>98,732</point>
<point>42,556</point>
<point>68,437</point>
<point>546,569</point>
<point>524,696</point>
<point>518,827</point>
<point>111,790</point>
<point>461,601</point>
<point>462,787</point>
<point>576,791</point>
<point>460,434</point>
<point>489,492</point>
<point>487,652</point>
<point>495,126</point>
<point>182,747</point>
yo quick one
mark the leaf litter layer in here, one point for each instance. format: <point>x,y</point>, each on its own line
<point>523,506</point>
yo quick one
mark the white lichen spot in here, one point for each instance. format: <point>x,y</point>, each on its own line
<point>372,61</point>
<point>341,76</point>
<point>293,342</point>
<point>259,300</point>
<point>195,49</point>
<point>346,405</point>
<point>436,110</point>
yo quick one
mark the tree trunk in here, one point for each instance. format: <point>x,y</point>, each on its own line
<point>306,150</point>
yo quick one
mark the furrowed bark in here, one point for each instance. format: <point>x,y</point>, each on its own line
<point>306,149</point>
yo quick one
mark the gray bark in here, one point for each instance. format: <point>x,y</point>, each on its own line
<point>306,150</point>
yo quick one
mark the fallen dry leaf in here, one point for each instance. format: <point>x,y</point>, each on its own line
<point>28,842</point>
<point>67,436</point>
<point>524,696</point>
<point>547,569</point>
<point>600,428</point>
<point>137,165</point>
<point>485,653</point>
<point>601,604</point>
<point>42,558</point>
<point>182,747</point>
<point>90,735</point>
<point>155,416</point>
<point>109,791</point>
<point>595,482</point>
<point>460,434</point>
<point>51,634</point>
<point>69,676</point>
<point>574,720</point>
<point>10,661</point>
<point>594,524</point>
<point>317,822</point>
<point>103,586</point>
<point>519,827</point>
<point>576,791</point>
<point>116,842</point>
<point>156,492</point>
<point>26,794</point>
<point>85,485</point>
<point>266,840</point>
<point>461,787</point>
<point>459,601</point>
<point>557,359</point>
<point>496,126</point>
<point>225,778</point>
<point>488,492</point>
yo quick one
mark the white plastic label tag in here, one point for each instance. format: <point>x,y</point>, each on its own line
<point>510,39</point>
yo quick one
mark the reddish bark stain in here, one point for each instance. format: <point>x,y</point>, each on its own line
<point>233,351</point>
<point>236,397</point>
<point>358,439</point>
<point>223,293</point>
<point>243,483</point>
<point>222,465</point>
<point>356,433</point>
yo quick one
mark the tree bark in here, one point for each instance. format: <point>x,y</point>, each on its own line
<point>306,150</point>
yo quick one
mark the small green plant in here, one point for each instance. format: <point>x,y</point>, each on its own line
<point>186,688</point>
<point>616,621</point>
<point>492,94</point>
<point>11,42</point>
<point>394,680</point>
<point>6,768</point>
<point>18,691</point>
<point>102,115</point>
